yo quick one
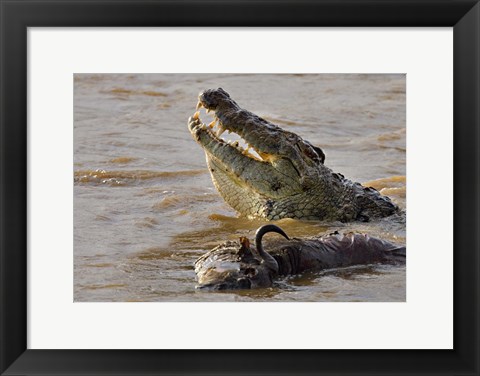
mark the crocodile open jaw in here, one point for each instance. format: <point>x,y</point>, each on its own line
<point>271,173</point>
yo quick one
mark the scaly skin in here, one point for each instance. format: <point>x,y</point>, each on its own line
<point>290,179</point>
<point>238,265</point>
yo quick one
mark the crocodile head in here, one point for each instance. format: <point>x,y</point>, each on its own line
<point>272,173</point>
<point>259,174</point>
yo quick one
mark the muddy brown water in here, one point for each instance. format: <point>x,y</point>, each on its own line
<point>145,207</point>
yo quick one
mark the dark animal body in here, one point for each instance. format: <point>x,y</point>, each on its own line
<point>239,265</point>
<point>286,177</point>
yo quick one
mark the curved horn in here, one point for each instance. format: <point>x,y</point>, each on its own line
<point>264,230</point>
<point>267,258</point>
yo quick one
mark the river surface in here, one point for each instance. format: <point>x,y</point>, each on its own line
<point>144,205</point>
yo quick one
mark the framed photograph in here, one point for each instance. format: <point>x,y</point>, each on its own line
<point>207,188</point>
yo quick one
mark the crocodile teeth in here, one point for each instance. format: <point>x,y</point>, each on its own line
<point>207,110</point>
<point>235,144</point>
<point>199,104</point>
<point>196,115</point>
<point>220,131</point>
<point>212,124</point>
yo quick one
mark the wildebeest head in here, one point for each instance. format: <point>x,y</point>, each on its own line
<point>231,266</point>
<point>238,265</point>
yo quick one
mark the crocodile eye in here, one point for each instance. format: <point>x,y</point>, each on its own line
<point>320,153</point>
<point>310,153</point>
<point>313,152</point>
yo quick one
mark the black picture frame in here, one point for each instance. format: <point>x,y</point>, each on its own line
<point>17,15</point>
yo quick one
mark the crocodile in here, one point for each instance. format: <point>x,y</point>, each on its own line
<point>237,265</point>
<point>277,174</point>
